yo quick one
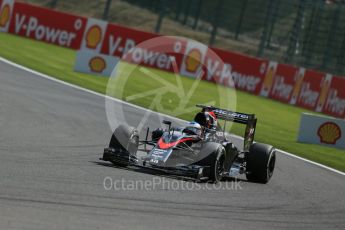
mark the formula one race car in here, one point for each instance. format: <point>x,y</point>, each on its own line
<point>200,150</point>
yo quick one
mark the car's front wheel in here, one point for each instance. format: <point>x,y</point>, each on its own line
<point>125,139</point>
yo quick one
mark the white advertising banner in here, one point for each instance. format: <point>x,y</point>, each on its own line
<point>317,129</point>
<point>95,63</point>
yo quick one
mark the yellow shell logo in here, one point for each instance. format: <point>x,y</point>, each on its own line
<point>193,60</point>
<point>93,37</point>
<point>97,64</point>
<point>4,15</point>
<point>329,133</point>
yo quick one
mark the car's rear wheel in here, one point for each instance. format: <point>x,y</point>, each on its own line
<point>261,161</point>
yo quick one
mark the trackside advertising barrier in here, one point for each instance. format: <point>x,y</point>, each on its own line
<point>101,45</point>
<point>95,64</point>
<point>235,66</point>
<point>46,25</point>
<point>335,100</point>
<point>322,130</point>
<point>116,41</point>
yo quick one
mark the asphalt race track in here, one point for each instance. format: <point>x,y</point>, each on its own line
<point>52,136</point>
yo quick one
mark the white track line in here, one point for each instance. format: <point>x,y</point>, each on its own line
<point>142,108</point>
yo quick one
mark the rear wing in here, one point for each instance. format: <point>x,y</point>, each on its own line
<point>243,118</point>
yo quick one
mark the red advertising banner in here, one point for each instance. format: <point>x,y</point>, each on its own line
<point>247,72</point>
<point>283,83</point>
<point>310,89</point>
<point>143,48</point>
<point>335,103</point>
<point>47,25</point>
<point>119,40</point>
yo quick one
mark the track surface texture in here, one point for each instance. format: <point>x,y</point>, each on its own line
<point>52,136</point>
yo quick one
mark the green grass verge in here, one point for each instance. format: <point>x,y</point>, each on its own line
<point>277,123</point>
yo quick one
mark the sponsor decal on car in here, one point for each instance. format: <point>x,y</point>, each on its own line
<point>230,114</point>
<point>158,155</point>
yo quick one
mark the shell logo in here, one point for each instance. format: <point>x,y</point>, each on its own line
<point>329,133</point>
<point>5,15</point>
<point>193,60</point>
<point>93,37</point>
<point>97,64</point>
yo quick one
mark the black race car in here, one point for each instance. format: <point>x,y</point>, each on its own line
<point>200,150</point>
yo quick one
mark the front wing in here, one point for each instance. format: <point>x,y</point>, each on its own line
<point>123,158</point>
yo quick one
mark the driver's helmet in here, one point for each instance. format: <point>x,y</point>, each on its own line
<point>193,128</point>
<point>206,119</point>
<point>211,120</point>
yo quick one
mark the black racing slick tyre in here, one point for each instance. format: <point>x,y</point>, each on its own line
<point>261,161</point>
<point>212,157</point>
<point>126,140</point>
